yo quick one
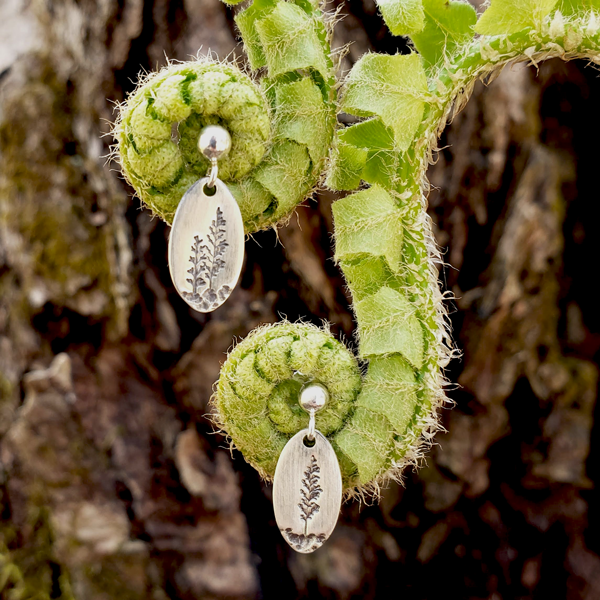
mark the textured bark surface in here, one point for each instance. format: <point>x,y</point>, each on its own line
<point>113,484</point>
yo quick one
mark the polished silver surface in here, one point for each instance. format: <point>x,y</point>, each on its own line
<point>214,142</point>
<point>307,492</point>
<point>213,174</point>
<point>206,246</point>
<point>313,396</point>
<point>312,426</point>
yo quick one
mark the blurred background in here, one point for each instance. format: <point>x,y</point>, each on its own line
<point>113,484</point>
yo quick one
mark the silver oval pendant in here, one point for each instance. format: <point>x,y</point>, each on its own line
<point>206,246</point>
<point>307,492</point>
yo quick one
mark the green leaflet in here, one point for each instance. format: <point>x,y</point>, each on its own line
<point>286,174</point>
<point>290,41</point>
<point>367,275</point>
<point>394,89</point>
<point>368,222</point>
<point>371,134</point>
<point>388,324</point>
<point>368,441</point>
<point>447,25</point>
<point>402,16</point>
<point>391,87</point>
<point>303,116</point>
<point>435,26</point>
<point>511,16</point>
<point>347,165</point>
<point>572,7</point>
<point>357,146</point>
<point>246,22</point>
<point>390,388</point>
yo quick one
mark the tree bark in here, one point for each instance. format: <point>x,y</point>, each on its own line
<point>114,484</point>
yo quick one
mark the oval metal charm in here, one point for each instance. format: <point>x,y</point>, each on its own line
<point>206,246</point>
<point>307,492</point>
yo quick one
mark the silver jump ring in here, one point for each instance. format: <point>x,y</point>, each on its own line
<point>311,425</point>
<point>214,171</point>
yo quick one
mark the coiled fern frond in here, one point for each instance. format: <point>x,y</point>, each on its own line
<point>382,420</point>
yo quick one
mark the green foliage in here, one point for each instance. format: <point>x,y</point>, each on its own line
<point>447,26</point>
<point>388,324</point>
<point>381,233</point>
<point>381,421</point>
<point>369,222</point>
<point>392,87</point>
<point>511,16</point>
<point>362,151</point>
<point>574,7</point>
<point>403,16</point>
<point>435,26</point>
<point>290,41</point>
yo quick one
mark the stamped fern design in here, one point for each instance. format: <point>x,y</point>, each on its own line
<point>217,240</point>
<point>310,492</point>
<point>301,542</point>
<point>207,261</point>
<point>197,269</point>
<point>309,507</point>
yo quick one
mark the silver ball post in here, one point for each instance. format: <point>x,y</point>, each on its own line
<point>214,142</point>
<point>313,397</point>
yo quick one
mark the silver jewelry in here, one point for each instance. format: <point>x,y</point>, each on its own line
<point>307,488</point>
<point>206,246</point>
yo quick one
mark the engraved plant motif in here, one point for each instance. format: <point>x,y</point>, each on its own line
<point>197,269</point>
<point>310,492</point>
<point>207,262</point>
<point>303,543</point>
<point>217,240</point>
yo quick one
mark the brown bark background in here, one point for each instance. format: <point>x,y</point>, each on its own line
<point>112,482</point>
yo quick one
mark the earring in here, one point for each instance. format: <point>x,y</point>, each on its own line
<point>307,487</point>
<point>206,252</point>
<point>206,246</point>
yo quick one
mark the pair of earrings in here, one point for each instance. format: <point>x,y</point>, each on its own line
<point>206,253</point>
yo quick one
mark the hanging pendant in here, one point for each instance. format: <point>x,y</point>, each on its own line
<point>307,492</point>
<point>206,246</point>
<point>307,488</point>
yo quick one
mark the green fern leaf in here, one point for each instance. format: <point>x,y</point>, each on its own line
<point>402,17</point>
<point>511,16</point>
<point>447,25</point>
<point>391,87</point>
<point>571,7</point>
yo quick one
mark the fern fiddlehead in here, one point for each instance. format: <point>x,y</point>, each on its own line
<point>379,422</point>
<point>281,128</point>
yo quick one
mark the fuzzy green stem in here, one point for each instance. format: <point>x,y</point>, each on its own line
<point>385,248</point>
